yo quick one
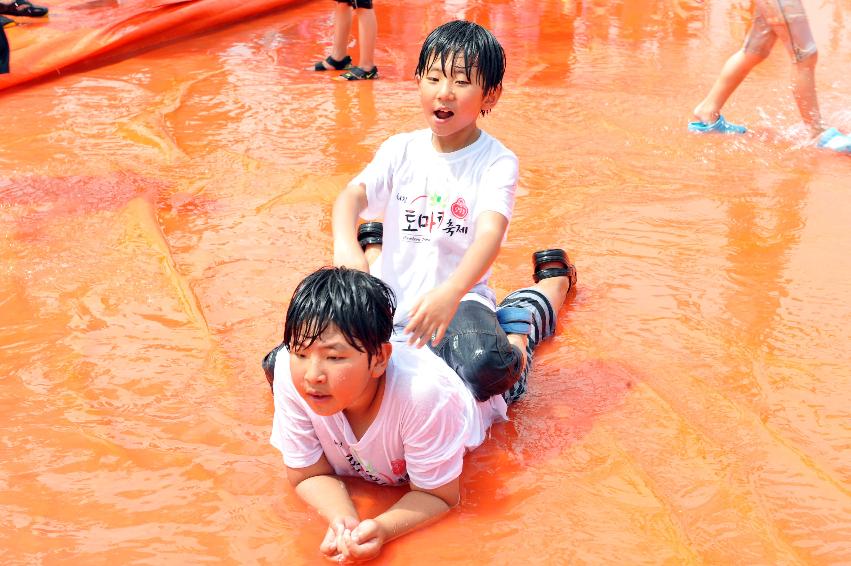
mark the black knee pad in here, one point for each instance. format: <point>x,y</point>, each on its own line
<point>476,348</point>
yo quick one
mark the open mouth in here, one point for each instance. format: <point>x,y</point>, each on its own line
<point>443,114</point>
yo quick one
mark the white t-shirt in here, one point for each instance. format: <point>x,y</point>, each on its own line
<point>428,419</point>
<point>429,202</point>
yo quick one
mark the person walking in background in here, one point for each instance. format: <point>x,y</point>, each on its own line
<point>773,19</point>
<point>339,60</point>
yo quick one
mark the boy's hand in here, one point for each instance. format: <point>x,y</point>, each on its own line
<point>431,315</point>
<point>363,542</point>
<point>332,546</point>
<point>351,256</point>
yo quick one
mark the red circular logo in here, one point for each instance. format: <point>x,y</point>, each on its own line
<point>398,467</point>
<point>459,209</point>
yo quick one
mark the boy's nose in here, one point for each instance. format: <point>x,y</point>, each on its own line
<point>445,90</point>
<point>315,373</point>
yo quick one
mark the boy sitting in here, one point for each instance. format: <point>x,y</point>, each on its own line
<point>446,195</point>
<point>348,404</point>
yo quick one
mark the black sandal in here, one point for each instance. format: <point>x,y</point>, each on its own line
<point>370,233</point>
<point>542,257</point>
<point>23,8</point>
<point>358,74</point>
<point>341,65</point>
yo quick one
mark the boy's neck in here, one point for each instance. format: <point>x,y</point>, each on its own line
<point>455,142</point>
<point>362,415</point>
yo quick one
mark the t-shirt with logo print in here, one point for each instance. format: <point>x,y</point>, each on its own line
<point>429,203</point>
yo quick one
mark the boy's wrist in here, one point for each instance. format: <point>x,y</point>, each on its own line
<point>456,291</point>
<point>387,528</point>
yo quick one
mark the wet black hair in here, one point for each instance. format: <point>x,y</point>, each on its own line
<point>359,305</point>
<point>478,46</point>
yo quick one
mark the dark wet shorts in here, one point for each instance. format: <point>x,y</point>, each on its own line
<point>784,19</point>
<point>476,347</point>
<point>367,4</point>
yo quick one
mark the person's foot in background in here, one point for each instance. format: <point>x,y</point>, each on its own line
<point>22,8</point>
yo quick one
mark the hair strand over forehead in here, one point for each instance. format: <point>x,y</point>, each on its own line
<point>359,305</point>
<point>478,47</point>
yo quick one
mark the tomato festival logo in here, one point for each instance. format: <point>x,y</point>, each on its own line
<point>459,209</point>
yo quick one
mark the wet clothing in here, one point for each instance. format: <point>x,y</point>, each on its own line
<point>426,423</point>
<point>784,19</point>
<point>477,348</point>
<point>429,202</point>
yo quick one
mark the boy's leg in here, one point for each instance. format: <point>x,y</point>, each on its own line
<point>478,350</point>
<point>544,300</point>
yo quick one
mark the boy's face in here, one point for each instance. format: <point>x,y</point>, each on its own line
<point>452,102</point>
<point>332,376</point>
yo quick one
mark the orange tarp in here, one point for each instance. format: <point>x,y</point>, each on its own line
<point>84,32</point>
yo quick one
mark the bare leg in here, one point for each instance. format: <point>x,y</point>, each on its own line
<point>732,74</point>
<point>367,31</point>
<point>342,30</point>
<point>804,90</point>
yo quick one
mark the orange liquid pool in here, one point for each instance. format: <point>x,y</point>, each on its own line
<point>158,206</point>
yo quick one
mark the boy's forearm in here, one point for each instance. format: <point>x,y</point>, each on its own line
<point>414,510</point>
<point>480,255</point>
<point>328,495</point>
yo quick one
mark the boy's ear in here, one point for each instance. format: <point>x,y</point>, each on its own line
<point>380,361</point>
<point>490,100</point>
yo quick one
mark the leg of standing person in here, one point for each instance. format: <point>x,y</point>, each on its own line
<point>732,74</point>
<point>758,44</point>
<point>792,26</point>
<point>367,33</point>
<point>793,29</point>
<point>339,60</point>
<point>343,14</point>
<point>804,91</point>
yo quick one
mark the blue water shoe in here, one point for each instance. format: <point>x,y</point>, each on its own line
<point>835,140</point>
<point>719,126</point>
